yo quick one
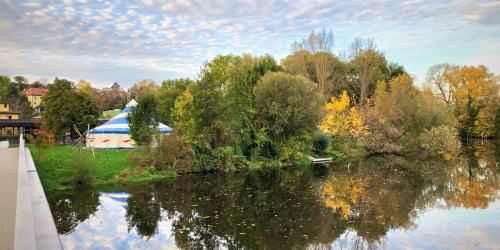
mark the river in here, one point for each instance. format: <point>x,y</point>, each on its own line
<point>385,202</point>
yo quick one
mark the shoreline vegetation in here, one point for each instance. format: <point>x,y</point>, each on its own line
<point>65,167</point>
<point>251,112</point>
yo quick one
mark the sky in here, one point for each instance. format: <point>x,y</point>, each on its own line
<point>126,41</point>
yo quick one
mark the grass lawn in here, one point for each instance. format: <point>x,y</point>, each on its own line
<point>56,165</point>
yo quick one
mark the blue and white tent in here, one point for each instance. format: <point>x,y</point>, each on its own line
<point>115,132</point>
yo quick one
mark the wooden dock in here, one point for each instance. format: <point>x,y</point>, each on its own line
<point>319,160</point>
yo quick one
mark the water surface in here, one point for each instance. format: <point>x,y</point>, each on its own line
<point>376,202</point>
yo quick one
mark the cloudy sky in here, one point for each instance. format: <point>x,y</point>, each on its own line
<point>125,41</point>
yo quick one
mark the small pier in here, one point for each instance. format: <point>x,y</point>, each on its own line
<point>319,160</point>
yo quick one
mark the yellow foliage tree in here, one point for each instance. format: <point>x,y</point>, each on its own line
<point>341,120</point>
<point>182,117</point>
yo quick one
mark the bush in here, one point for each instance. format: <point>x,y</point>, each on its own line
<point>443,140</point>
<point>219,159</point>
<point>173,153</point>
<point>83,167</point>
<point>320,142</point>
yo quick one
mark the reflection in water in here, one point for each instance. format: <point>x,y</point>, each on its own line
<point>377,202</point>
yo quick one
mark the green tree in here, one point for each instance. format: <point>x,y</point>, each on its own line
<point>244,73</point>
<point>287,105</point>
<point>209,103</point>
<point>142,122</point>
<point>5,86</point>
<point>168,92</point>
<point>65,106</point>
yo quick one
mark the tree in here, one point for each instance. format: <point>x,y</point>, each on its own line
<point>182,114</point>
<point>367,66</point>
<point>112,98</point>
<point>440,76</point>
<point>21,80</point>
<point>209,103</point>
<point>401,114</point>
<point>141,121</point>
<point>5,86</point>
<point>315,42</point>
<point>287,105</point>
<point>143,88</point>
<point>167,94</point>
<point>86,88</point>
<point>313,59</point>
<point>300,63</point>
<point>65,107</point>
<point>342,120</point>
<point>243,74</point>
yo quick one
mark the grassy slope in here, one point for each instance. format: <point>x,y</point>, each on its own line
<point>55,167</point>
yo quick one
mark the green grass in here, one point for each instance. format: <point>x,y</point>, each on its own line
<point>55,167</point>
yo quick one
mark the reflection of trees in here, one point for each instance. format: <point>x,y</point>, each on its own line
<point>474,183</point>
<point>272,209</point>
<point>71,208</point>
<point>143,211</point>
<point>298,208</point>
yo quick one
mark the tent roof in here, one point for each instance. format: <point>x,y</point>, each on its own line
<point>119,123</point>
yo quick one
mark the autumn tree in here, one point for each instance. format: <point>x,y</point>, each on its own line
<point>315,42</point>
<point>367,67</point>
<point>401,114</point>
<point>342,119</point>
<point>113,97</point>
<point>146,87</point>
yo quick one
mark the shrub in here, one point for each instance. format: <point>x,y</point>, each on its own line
<point>83,168</point>
<point>140,158</point>
<point>219,159</point>
<point>320,142</point>
<point>173,153</point>
<point>442,139</point>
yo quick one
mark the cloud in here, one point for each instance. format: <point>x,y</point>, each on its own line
<point>175,37</point>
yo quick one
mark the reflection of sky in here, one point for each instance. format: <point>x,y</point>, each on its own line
<point>107,229</point>
<point>456,228</point>
<point>437,228</point>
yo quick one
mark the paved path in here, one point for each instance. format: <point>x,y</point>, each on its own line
<point>8,196</point>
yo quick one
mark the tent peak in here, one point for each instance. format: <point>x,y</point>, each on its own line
<point>132,103</point>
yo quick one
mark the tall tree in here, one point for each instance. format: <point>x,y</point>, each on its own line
<point>315,42</point>
<point>112,98</point>
<point>167,94</point>
<point>244,73</point>
<point>440,76</point>
<point>65,106</point>
<point>143,88</point>
<point>142,121</point>
<point>367,66</point>
<point>209,103</point>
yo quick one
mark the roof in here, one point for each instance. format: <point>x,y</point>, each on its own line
<point>36,91</point>
<point>119,123</point>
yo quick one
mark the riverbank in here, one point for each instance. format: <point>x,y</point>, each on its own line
<point>63,167</point>
<point>56,167</point>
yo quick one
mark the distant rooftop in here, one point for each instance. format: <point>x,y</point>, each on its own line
<point>36,91</point>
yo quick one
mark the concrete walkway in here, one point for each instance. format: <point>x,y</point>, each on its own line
<point>8,196</point>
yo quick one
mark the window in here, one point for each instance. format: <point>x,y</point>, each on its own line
<point>5,105</point>
<point>10,117</point>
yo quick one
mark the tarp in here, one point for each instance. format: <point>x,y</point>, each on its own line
<point>115,132</point>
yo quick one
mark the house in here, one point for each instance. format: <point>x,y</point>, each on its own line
<point>35,97</point>
<point>7,116</point>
